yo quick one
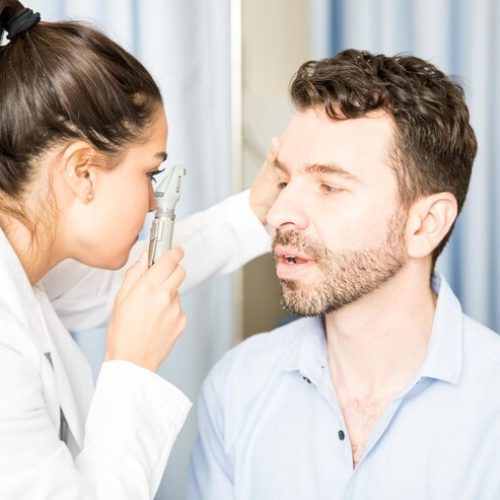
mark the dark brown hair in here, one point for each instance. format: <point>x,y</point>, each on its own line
<point>61,81</point>
<point>435,145</point>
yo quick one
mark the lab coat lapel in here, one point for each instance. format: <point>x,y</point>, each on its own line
<point>73,372</point>
<point>67,399</point>
<point>17,293</point>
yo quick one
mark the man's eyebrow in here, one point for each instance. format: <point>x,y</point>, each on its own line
<point>321,169</point>
<point>331,169</point>
<point>162,155</point>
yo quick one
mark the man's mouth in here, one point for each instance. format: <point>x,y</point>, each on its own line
<point>293,259</point>
<point>290,262</point>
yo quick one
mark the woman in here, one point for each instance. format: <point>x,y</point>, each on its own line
<point>82,134</point>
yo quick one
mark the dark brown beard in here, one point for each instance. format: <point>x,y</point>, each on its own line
<point>346,276</point>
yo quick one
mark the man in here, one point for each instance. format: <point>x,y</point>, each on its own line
<point>386,390</point>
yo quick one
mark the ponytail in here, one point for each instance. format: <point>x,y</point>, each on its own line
<point>62,81</point>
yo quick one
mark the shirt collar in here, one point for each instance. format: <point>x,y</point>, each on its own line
<point>444,354</point>
<point>309,353</point>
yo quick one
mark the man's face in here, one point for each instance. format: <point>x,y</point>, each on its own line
<point>339,229</point>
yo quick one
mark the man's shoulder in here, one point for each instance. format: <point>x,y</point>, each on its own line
<point>264,352</point>
<point>246,369</point>
<point>482,343</point>
<point>248,375</point>
<point>279,339</point>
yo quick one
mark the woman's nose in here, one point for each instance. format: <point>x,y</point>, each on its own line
<point>151,199</point>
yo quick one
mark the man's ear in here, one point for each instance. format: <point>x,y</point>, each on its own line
<point>80,163</point>
<point>429,221</point>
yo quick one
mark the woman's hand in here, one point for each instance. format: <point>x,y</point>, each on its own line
<point>264,189</point>
<point>147,317</point>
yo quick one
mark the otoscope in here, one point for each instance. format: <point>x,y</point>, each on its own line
<point>167,195</point>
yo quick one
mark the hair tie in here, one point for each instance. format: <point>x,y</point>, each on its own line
<point>21,21</point>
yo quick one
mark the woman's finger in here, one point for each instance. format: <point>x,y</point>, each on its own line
<point>132,276</point>
<point>162,268</point>
<point>174,280</point>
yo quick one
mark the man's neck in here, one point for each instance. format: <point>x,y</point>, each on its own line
<point>376,345</point>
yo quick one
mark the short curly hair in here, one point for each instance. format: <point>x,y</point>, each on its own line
<point>435,145</point>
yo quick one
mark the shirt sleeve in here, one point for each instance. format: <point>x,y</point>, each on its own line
<point>210,474</point>
<point>216,241</point>
<point>133,421</point>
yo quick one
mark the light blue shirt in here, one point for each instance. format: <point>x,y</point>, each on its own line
<point>271,427</point>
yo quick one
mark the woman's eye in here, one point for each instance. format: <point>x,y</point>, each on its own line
<point>152,175</point>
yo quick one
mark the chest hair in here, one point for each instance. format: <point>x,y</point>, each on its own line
<point>361,417</point>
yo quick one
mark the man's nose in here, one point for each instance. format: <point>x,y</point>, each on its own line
<point>151,199</point>
<point>288,208</point>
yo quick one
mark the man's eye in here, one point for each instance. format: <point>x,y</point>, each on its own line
<point>152,175</point>
<point>326,188</point>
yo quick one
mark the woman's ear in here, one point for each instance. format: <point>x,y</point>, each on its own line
<point>80,164</point>
<point>429,221</point>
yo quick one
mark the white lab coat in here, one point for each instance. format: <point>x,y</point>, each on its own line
<point>115,440</point>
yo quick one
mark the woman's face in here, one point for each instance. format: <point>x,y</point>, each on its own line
<point>106,227</point>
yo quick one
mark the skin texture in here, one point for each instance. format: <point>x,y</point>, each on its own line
<point>357,256</point>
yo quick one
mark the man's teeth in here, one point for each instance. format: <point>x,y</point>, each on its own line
<point>290,260</point>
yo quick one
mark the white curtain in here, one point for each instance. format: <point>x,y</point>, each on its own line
<point>186,46</point>
<point>461,37</point>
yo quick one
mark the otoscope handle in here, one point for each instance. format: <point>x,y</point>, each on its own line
<point>160,236</point>
<point>167,195</point>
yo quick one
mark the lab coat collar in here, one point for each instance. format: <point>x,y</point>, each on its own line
<point>16,291</point>
<point>30,308</point>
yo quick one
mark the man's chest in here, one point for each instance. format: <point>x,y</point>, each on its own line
<point>293,450</point>
<point>361,417</point>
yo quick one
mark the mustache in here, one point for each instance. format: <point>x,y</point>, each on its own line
<point>300,243</point>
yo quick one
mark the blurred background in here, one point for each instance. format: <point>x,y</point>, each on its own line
<point>224,68</point>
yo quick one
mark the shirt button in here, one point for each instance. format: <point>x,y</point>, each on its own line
<point>341,435</point>
<point>308,380</point>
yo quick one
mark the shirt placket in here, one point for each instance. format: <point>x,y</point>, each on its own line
<point>320,378</point>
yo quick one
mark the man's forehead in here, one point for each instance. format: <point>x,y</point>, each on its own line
<point>357,149</point>
<point>312,137</point>
<point>315,121</point>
